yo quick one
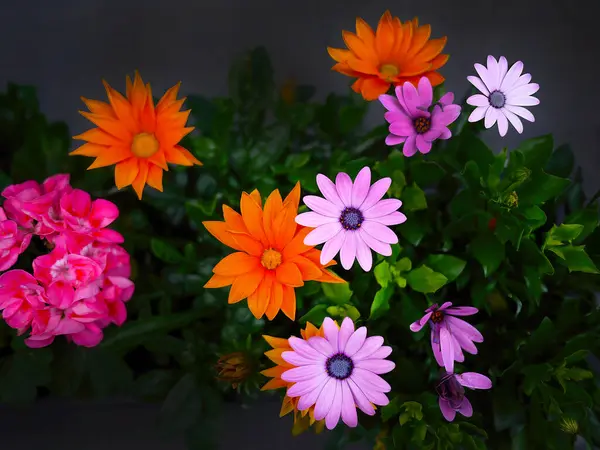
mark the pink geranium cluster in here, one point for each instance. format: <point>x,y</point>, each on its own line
<point>80,286</point>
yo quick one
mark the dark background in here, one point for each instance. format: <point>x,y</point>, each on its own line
<point>66,47</point>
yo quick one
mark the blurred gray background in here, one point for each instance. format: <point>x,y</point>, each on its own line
<point>66,47</point>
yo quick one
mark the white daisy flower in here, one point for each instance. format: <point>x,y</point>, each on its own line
<point>504,93</point>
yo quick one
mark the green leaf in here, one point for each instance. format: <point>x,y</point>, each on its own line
<point>425,280</point>
<point>134,333</point>
<point>535,376</point>
<point>426,173</point>
<point>414,230</point>
<point>165,252</point>
<point>495,170</point>
<point>536,151</point>
<point>391,409</point>
<point>182,406</point>
<point>109,373</point>
<point>413,198</point>
<point>383,274</point>
<point>588,217</point>
<point>381,301</point>
<point>297,160</point>
<point>575,258</point>
<point>316,315</point>
<point>472,175</point>
<point>489,251</point>
<point>541,187</point>
<point>23,373</point>
<point>561,162</point>
<point>534,216</point>
<point>449,266</point>
<point>419,433</point>
<point>541,339</point>
<point>532,255</point>
<point>563,233</point>
<point>533,282</point>
<point>339,293</point>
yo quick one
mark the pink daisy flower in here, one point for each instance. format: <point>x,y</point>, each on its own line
<point>451,391</point>
<point>449,334</point>
<point>352,219</point>
<point>504,93</point>
<point>339,372</point>
<point>411,121</point>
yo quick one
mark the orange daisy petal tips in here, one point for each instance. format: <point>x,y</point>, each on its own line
<point>271,259</point>
<point>393,54</point>
<point>136,136</point>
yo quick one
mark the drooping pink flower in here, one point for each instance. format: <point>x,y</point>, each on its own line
<point>412,122</point>
<point>338,373</point>
<point>83,215</point>
<point>20,296</point>
<point>449,334</point>
<point>452,393</point>
<point>17,196</point>
<point>504,94</point>
<point>13,241</point>
<point>352,219</point>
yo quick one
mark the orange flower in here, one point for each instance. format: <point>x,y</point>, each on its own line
<point>289,404</point>
<point>136,136</point>
<point>392,55</point>
<point>271,258</point>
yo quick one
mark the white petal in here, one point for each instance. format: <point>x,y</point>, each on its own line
<point>502,124</point>
<point>523,101</point>
<point>502,69</point>
<point>513,119</point>
<point>491,115</point>
<point>521,91</point>
<point>478,113</point>
<point>511,76</point>
<point>478,84</point>
<point>521,112</point>
<point>478,100</point>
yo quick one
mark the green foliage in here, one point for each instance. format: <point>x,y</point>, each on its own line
<point>483,229</point>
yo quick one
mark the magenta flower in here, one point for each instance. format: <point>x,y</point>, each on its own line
<point>411,121</point>
<point>352,219</point>
<point>449,335</point>
<point>452,393</point>
<point>14,240</point>
<point>338,373</point>
<point>504,93</point>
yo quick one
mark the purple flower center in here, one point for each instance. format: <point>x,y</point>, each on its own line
<point>497,99</point>
<point>422,124</point>
<point>339,366</point>
<point>451,390</point>
<point>351,219</point>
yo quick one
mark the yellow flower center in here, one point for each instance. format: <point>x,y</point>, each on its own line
<point>144,145</point>
<point>270,259</point>
<point>389,71</point>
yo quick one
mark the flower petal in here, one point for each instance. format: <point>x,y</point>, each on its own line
<point>322,206</point>
<point>332,247</point>
<point>329,191</point>
<point>377,366</point>
<point>323,233</point>
<point>313,219</point>
<point>360,187</point>
<point>474,380</point>
<point>343,185</point>
<point>370,346</point>
<point>381,232</point>
<point>349,416</point>
<point>355,342</point>
<point>447,411</point>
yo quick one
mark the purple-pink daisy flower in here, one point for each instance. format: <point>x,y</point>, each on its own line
<point>449,334</point>
<point>338,373</point>
<point>451,391</point>
<point>504,93</point>
<point>412,122</point>
<point>352,218</point>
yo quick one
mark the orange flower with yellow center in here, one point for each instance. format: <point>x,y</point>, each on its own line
<point>289,404</point>
<point>134,135</point>
<point>397,52</point>
<point>271,258</point>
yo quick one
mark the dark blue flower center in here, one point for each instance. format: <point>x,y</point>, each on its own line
<point>451,390</point>
<point>339,366</point>
<point>497,99</point>
<point>351,219</point>
<point>422,124</point>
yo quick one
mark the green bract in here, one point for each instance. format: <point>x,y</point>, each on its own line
<point>508,232</point>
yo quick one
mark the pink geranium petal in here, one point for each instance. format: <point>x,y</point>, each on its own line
<point>410,146</point>
<point>462,310</point>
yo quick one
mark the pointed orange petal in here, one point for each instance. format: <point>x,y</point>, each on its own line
<point>311,331</point>
<point>220,231</point>
<point>288,306</point>
<point>140,180</point>
<point>236,264</point>
<point>287,406</point>
<point>98,107</point>
<point>169,97</point>
<point>414,68</point>
<point>159,160</point>
<point>122,108</point>
<point>284,227</point>
<point>257,305</point>
<point>385,37</point>
<point>155,177</point>
<point>293,198</point>
<point>296,245</point>
<point>407,37</point>
<point>365,32</point>
<point>439,61</point>
<point>234,220</point>
<point>359,65</point>
<point>148,115</point>
<point>358,47</point>
<point>357,85</point>
<point>273,372</point>
<point>252,216</point>
<point>256,197</point>
<point>431,49</point>
<point>275,300</point>
<point>137,95</point>
<point>330,277</point>
<point>273,206</point>
<point>345,69</point>
<point>288,273</point>
<point>248,244</point>
<point>89,149</point>
<point>275,356</point>
<point>245,285</point>
<point>274,384</point>
<point>435,78</point>
<point>420,37</point>
<point>338,54</point>
<point>397,55</point>
<point>372,88</point>
<point>188,155</point>
<point>276,342</point>
<point>98,136</point>
<point>174,156</point>
<point>125,172</point>
<point>111,126</point>
<point>218,281</point>
<point>110,156</point>
<point>308,269</point>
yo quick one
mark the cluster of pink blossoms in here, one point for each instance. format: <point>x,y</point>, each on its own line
<point>81,285</point>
